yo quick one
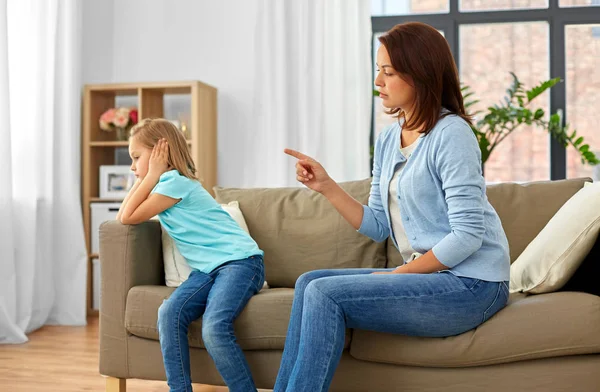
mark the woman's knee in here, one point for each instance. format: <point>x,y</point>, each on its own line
<point>322,290</point>
<point>308,277</point>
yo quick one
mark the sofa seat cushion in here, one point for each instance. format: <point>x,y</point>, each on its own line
<point>262,325</point>
<point>529,327</point>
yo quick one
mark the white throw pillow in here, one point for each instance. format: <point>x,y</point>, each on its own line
<point>177,269</point>
<point>552,258</point>
<point>233,209</point>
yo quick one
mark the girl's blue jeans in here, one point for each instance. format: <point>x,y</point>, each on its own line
<point>218,297</point>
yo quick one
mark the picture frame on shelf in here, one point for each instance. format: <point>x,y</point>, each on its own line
<point>115,181</point>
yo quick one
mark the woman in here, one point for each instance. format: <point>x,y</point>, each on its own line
<point>428,194</point>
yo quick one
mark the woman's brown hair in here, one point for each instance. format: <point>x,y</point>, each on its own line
<point>150,130</point>
<point>420,52</point>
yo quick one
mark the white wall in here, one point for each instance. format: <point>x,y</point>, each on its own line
<point>160,40</point>
<point>97,51</point>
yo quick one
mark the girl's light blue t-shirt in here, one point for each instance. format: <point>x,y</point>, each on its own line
<point>205,234</point>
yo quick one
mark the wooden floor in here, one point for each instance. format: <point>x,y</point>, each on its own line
<point>64,359</point>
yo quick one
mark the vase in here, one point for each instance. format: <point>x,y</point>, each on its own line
<point>122,134</point>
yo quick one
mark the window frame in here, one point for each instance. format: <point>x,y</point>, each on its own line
<point>558,18</point>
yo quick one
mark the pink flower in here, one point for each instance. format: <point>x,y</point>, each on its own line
<point>106,119</point>
<point>121,121</point>
<point>108,116</point>
<point>121,118</point>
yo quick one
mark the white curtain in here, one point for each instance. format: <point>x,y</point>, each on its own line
<point>43,268</point>
<point>313,89</point>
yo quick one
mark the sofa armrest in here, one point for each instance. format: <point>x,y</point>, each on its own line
<point>130,255</point>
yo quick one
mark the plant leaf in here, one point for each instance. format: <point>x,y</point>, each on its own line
<point>539,89</point>
<point>515,85</point>
<point>506,116</point>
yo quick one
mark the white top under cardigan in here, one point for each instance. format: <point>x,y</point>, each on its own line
<point>406,251</point>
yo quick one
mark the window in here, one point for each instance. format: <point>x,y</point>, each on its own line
<point>504,47</point>
<point>579,3</point>
<point>408,7</point>
<point>583,92</point>
<point>535,39</point>
<point>500,5</point>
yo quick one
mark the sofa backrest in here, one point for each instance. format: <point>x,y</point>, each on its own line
<point>525,209</point>
<point>300,231</point>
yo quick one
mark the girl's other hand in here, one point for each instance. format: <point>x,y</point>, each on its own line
<point>159,159</point>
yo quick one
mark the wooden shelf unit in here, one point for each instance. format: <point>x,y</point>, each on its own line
<point>98,147</point>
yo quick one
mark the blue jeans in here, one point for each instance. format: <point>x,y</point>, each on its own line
<point>218,297</point>
<point>326,302</point>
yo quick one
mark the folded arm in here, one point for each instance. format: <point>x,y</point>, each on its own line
<point>143,205</point>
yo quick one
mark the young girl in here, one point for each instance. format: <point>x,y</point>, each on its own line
<point>227,265</point>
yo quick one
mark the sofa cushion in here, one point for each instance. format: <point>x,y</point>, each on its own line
<point>262,325</point>
<point>525,209</point>
<point>529,327</point>
<point>552,258</point>
<point>300,231</point>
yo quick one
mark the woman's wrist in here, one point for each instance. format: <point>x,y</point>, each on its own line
<point>329,188</point>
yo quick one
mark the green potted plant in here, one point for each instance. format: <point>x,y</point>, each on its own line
<point>502,119</point>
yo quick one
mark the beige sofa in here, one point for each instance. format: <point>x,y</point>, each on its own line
<point>547,342</point>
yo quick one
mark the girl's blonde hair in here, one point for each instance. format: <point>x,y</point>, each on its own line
<point>150,130</point>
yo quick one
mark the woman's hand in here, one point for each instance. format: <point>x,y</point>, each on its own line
<point>310,172</point>
<point>159,159</point>
<point>425,264</point>
<point>397,270</point>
